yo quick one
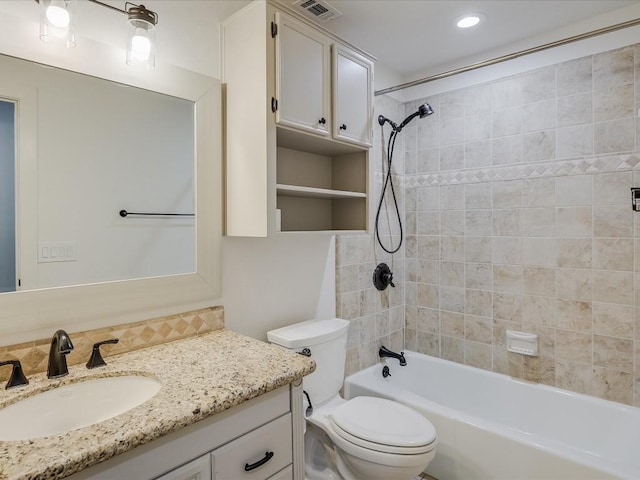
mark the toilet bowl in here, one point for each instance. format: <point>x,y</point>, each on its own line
<point>362,438</point>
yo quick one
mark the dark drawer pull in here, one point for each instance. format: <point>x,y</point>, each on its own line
<point>267,456</point>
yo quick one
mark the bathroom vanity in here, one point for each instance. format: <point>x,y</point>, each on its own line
<point>229,407</point>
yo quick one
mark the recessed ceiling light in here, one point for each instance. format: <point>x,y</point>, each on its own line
<point>470,20</point>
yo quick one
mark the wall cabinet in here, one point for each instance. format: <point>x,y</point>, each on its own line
<point>301,162</point>
<point>259,440</point>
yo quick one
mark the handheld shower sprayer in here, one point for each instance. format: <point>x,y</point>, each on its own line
<point>424,110</point>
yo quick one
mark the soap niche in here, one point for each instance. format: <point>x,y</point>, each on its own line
<point>322,192</point>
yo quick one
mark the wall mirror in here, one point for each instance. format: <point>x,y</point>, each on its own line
<point>158,151</point>
<point>115,171</point>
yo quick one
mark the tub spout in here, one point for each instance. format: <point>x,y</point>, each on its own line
<point>385,352</point>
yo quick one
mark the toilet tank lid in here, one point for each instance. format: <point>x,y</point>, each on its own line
<point>311,332</point>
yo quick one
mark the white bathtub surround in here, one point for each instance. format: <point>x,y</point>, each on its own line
<point>525,224</point>
<point>493,426</point>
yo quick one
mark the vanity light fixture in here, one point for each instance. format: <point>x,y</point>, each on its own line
<point>57,22</point>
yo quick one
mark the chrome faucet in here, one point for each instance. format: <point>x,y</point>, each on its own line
<point>385,352</point>
<point>60,346</point>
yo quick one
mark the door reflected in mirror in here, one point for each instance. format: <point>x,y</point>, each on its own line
<point>7,198</point>
<point>102,147</point>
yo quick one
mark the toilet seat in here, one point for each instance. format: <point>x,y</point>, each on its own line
<point>383,425</point>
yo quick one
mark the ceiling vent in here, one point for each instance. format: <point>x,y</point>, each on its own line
<point>318,10</point>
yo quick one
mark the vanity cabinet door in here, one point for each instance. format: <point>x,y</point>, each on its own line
<point>198,469</point>
<point>352,94</point>
<point>302,76</point>
<point>257,455</point>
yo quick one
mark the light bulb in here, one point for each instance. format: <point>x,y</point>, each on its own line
<point>58,16</point>
<point>140,48</point>
<point>469,21</point>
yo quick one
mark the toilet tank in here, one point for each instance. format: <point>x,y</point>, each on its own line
<point>327,341</point>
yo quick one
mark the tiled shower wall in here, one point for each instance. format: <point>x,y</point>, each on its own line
<point>376,318</point>
<point>518,216</point>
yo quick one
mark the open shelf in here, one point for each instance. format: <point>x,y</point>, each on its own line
<point>312,192</point>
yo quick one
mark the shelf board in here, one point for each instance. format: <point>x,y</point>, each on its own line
<point>311,192</point>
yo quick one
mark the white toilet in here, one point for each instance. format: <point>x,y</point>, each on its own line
<point>362,438</point>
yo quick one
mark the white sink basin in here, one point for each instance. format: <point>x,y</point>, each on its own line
<point>74,406</point>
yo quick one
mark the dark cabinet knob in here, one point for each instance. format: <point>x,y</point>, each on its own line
<point>322,121</point>
<point>343,127</point>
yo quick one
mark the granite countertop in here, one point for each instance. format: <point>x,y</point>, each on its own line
<point>200,376</point>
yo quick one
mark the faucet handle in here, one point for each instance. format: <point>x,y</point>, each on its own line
<point>17,375</point>
<point>96,359</point>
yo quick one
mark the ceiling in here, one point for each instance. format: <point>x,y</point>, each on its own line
<point>412,37</point>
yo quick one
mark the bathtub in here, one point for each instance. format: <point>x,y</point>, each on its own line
<point>492,427</point>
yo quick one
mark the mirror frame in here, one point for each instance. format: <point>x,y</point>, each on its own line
<point>36,314</point>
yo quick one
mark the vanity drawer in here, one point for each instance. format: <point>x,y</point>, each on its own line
<point>267,449</point>
<point>286,474</point>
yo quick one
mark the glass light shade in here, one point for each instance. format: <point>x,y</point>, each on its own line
<point>141,44</point>
<point>57,22</point>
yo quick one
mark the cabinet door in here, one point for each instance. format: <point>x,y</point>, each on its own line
<point>302,76</point>
<point>352,96</point>
<point>198,469</point>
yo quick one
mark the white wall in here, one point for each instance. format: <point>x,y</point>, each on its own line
<point>7,195</point>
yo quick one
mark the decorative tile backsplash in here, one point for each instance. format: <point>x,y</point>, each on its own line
<point>133,336</point>
<point>517,208</point>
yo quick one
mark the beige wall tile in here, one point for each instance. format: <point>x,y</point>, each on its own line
<point>538,222</point>
<point>452,248</point>
<point>613,287</point>
<point>613,353</point>
<point>452,324</point>
<point>507,222</point>
<point>574,76</point>
<point>452,158</point>
<point>428,320</point>
<point>612,385</point>
<point>539,85</point>
<point>613,221</point>
<point>452,299</point>
<point>507,278</point>
<point>500,328</point>
<point>574,222</point>
<point>428,343</point>
<point>479,276</point>
<point>507,194</point>
<point>478,249</point>
<point>452,222</point>
<point>507,363</point>
<point>453,349</point>
<point>613,103</point>
<point>478,354</point>
<point>574,191</point>
<point>575,252</point>
<point>507,250</point>
<point>612,188</point>
<point>478,302</point>
<point>478,222</point>
<point>613,254</point>
<point>539,116</point>
<point>613,320</point>
<point>613,68</point>
<point>538,192</point>
<point>452,274</point>
<point>573,347</point>
<point>614,136</point>
<point>507,306</point>
<point>574,315</point>
<point>539,280</point>
<point>540,310</point>
<point>574,141</point>
<point>428,247</point>
<point>507,150</point>
<point>573,376</point>
<point>539,146</point>
<point>478,329</point>
<point>478,196</point>
<point>575,284</point>
<point>428,295</point>
<point>575,109</point>
<point>540,251</point>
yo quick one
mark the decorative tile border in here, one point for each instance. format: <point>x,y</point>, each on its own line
<point>555,168</point>
<point>133,336</point>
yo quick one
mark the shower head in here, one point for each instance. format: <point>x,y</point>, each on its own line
<point>424,110</point>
